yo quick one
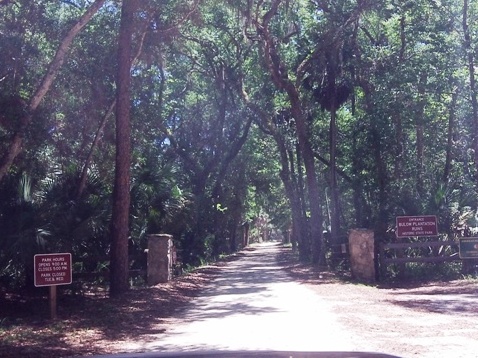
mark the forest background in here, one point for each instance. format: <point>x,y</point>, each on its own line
<point>210,119</point>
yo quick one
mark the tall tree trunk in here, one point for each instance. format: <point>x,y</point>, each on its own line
<point>121,193</point>
<point>299,237</point>
<point>16,143</point>
<point>298,176</point>
<point>334,192</point>
<point>419,128</point>
<point>473,90</point>
<point>363,207</point>
<point>314,197</point>
<point>376,144</point>
<point>280,78</point>
<point>334,189</point>
<point>381,168</point>
<point>397,121</point>
<point>397,115</point>
<point>449,146</point>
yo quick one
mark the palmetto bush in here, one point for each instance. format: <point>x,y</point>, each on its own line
<point>23,233</point>
<point>47,218</point>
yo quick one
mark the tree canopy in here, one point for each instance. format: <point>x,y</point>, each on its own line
<point>301,119</point>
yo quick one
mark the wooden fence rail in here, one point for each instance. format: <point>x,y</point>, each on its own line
<point>436,256</point>
<point>93,268</point>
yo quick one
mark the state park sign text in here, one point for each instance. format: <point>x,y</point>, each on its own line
<point>409,226</point>
<point>52,269</point>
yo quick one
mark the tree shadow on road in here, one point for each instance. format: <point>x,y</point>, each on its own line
<point>447,297</point>
<point>307,273</point>
<point>456,297</point>
<point>92,323</point>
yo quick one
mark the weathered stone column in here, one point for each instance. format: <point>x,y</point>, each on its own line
<point>159,258</point>
<point>362,254</point>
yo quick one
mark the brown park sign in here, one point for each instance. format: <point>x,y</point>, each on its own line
<point>409,226</point>
<point>52,269</point>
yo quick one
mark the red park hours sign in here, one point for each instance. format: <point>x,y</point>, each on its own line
<point>52,269</point>
<point>408,226</point>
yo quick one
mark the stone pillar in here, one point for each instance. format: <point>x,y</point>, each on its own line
<point>159,258</point>
<point>362,254</point>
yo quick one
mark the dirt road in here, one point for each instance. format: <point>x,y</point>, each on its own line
<point>255,305</point>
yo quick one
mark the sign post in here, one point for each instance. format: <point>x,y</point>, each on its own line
<point>52,270</point>
<point>408,226</point>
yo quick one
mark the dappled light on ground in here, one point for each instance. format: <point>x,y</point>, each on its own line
<point>253,304</point>
<point>260,298</point>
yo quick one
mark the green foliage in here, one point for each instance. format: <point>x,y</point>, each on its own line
<point>204,161</point>
<point>46,218</point>
<point>420,272</point>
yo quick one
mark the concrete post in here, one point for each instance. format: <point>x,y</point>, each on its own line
<point>159,258</point>
<point>362,254</point>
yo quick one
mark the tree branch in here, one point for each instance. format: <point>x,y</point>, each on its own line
<point>16,143</point>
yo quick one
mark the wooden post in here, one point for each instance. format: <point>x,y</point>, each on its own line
<point>53,302</point>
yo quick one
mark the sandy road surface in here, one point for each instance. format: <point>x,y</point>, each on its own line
<point>255,305</point>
